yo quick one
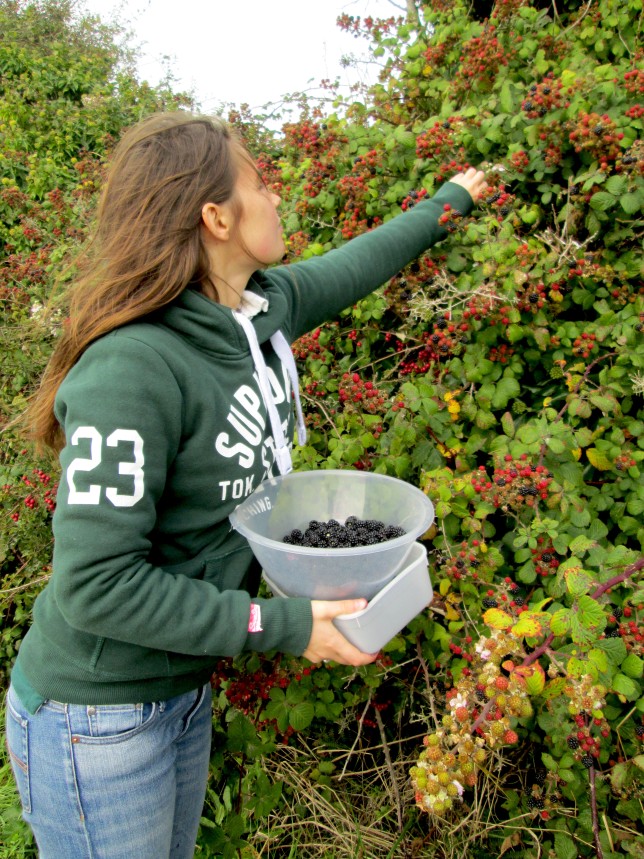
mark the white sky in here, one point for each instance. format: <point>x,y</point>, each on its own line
<point>235,51</point>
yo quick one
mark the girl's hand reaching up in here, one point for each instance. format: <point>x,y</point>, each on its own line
<point>327,642</point>
<point>472,180</point>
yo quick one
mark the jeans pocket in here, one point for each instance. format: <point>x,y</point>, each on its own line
<point>110,723</point>
<point>17,733</point>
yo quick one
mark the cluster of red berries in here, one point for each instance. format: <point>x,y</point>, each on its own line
<point>450,219</point>
<point>296,244</point>
<point>480,61</point>
<point>627,628</point>
<point>354,186</point>
<point>24,268</point>
<point>309,346</point>
<point>545,559</point>
<point>513,484</point>
<point>501,353</point>
<point>500,200</point>
<point>437,141</point>
<point>412,198</point>
<point>504,9</point>
<point>439,345</point>
<point>520,160</point>
<point>436,53</point>
<point>634,81</point>
<point>584,344</point>
<point>378,26</point>
<point>353,389</point>
<point>419,275</point>
<point>532,298</point>
<point>311,138</point>
<point>248,691</point>
<point>543,97</point>
<point>597,135</point>
<point>623,462</point>
<point>486,304</point>
<point>472,560</point>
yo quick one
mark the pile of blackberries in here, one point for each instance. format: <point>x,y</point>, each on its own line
<point>333,535</point>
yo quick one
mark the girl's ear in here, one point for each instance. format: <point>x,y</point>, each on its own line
<point>217,220</point>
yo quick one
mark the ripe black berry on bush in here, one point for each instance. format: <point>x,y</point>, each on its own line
<point>333,535</point>
<point>639,730</point>
<point>573,743</point>
<point>588,761</point>
<point>489,603</point>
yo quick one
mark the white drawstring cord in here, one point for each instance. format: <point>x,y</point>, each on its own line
<point>283,351</point>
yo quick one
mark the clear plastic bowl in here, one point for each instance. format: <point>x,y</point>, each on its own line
<point>281,504</point>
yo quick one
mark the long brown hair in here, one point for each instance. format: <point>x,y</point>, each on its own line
<point>147,246</point>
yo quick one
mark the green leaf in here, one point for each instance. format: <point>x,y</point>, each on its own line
<point>626,686</point>
<point>602,201</point>
<point>564,846</point>
<point>598,459</point>
<point>614,648</point>
<point>507,424</point>
<point>580,545</point>
<point>578,581</point>
<point>560,621</point>
<point>633,666</point>
<point>555,445</point>
<point>301,716</point>
<point>631,203</point>
<point>590,613</point>
<point>616,184</point>
<point>599,659</point>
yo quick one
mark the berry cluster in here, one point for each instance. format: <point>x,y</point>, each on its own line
<point>412,198</point>
<point>500,200</point>
<point>355,187</point>
<point>597,135</point>
<point>634,81</point>
<point>354,391</point>
<point>472,560</point>
<point>309,346</point>
<point>584,344</point>
<point>543,97</point>
<point>333,535</point>
<point>500,353</point>
<point>481,59</point>
<point>513,484</point>
<point>482,708</point>
<point>623,462</point>
<point>532,298</point>
<point>545,559</point>
<point>450,219</point>
<point>520,160</point>
<point>421,275</point>
<point>437,141</point>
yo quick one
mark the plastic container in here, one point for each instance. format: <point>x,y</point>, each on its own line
<point>392,608</point>
<point>281,504</point>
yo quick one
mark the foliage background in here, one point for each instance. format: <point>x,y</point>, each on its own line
<point>502,373</point>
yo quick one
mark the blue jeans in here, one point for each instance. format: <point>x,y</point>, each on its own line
<point>112,781</point>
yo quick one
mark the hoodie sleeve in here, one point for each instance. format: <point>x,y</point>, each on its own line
<point>121,409</point>
<point>323,286</point>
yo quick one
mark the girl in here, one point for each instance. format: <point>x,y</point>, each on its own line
<point>169,398</point>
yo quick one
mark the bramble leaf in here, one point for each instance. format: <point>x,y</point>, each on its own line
<point>497,619</point>
<point>528,625</point>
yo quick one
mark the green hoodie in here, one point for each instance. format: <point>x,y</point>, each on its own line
<point>166,433</point>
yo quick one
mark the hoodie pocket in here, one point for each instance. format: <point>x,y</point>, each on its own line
<point>229,571</point>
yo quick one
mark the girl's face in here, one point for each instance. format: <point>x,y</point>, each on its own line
<point>260,228</point>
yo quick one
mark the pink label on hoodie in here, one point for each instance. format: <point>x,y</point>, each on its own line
<point>255,619</point>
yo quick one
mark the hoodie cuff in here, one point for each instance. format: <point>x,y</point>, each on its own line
<point>280,623</point>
